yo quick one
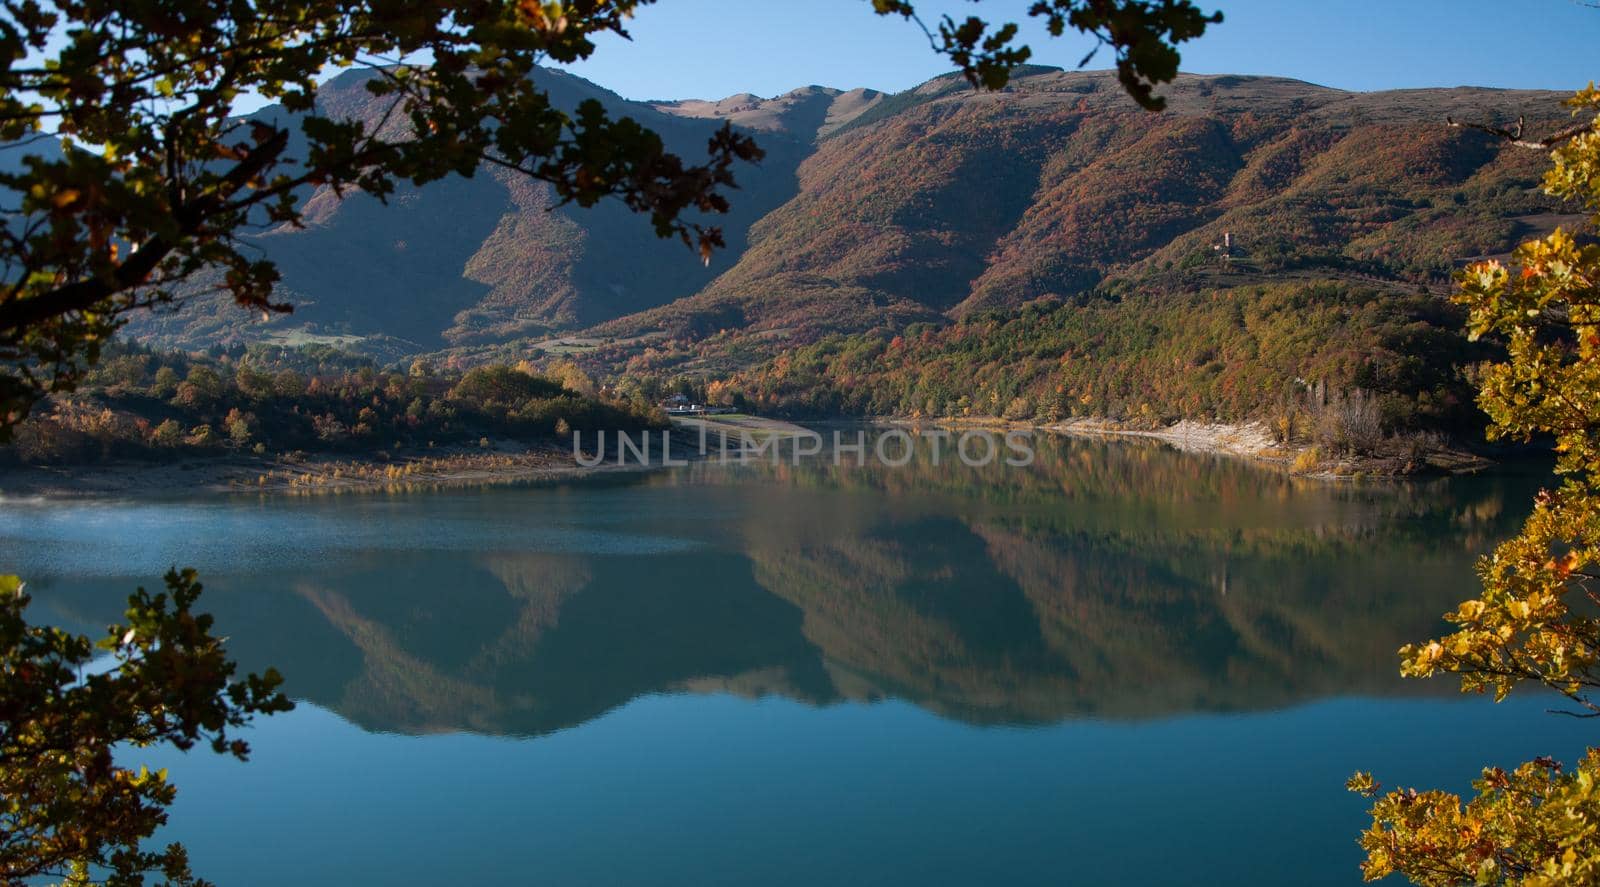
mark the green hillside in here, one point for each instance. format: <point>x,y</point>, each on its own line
<point>1252,352</point>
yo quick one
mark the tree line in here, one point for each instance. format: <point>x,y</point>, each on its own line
<point>137,403</point>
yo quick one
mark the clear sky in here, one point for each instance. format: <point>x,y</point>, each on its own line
<point>715,48</point>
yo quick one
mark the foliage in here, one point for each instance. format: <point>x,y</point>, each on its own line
<point>503,386</point>
<point>1144,35</point>
<point>66,703</point>
<point>1534,620</point>
<point>1232,354</point>
<point>153,405</point>
<point>1533,826</point>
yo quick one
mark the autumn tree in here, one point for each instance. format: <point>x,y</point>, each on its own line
<point>67,810</point>
<point>1534,622</point>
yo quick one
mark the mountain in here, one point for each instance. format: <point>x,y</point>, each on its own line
<point>809,113</point>
<point>944,202</point>
<point>483,259</point>
<point>875,211</point>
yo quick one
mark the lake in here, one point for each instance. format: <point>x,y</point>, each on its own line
<point>1119,665</point>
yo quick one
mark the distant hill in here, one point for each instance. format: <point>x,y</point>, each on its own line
<point>809,113</point>
<point>874,211</point>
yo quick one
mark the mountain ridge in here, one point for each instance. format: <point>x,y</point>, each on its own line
<point>875,210</point>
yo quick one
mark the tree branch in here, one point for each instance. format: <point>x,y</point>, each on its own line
<point>1514,135</point>
<point>19,314</point>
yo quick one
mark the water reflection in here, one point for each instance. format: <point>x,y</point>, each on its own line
<point>1117,580</point>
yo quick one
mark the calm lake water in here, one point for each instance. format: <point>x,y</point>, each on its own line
<point>1122,665</point>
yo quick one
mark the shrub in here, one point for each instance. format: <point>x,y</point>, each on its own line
<point>1351,423</point>
<point>167,434</point>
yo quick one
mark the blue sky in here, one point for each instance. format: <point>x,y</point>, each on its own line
<point>714,48</point>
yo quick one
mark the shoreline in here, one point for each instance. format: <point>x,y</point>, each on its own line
<point>510,462</point>
<point>444,468</point>
<point>1254,441</point>
<point>503,462</point>
<point>1250,441</point>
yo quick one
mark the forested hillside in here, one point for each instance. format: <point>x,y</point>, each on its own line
<point>1285,353</point>
<point>268,402</point>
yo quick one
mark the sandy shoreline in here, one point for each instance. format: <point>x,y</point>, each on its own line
<point>1251,441</point>
<point>1254,441</point>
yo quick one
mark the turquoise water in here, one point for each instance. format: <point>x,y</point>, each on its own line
<point>1120,665</point>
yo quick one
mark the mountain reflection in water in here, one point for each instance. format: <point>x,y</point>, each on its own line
<point>1115,580</point>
